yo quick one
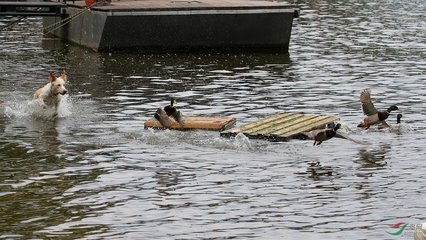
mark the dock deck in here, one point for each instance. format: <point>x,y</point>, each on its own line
<point>282,127</point>
<point>184,5</point>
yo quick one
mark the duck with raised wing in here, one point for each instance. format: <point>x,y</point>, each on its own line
<point>372,115</point>
<point>163,118</point>
<point>172,111</point>
<point>169,114</point>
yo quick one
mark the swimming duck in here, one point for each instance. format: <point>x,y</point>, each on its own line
<point>395,127</point>
<point>398,118</point>
<point>372,115</point>
<point>321,135</point>
<point>316,169</point>
<point>167,115</point>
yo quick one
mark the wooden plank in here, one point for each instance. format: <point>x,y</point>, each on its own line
<point>315,123</point>
<point>309,123</point>
<point>218,123</point>
<point>281,127</point>
<point>285,125</point>
<point>263,121</point>
<point>245,128</point>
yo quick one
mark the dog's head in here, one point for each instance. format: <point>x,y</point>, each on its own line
<point>58,83</point>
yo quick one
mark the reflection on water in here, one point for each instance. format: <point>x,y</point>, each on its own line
<point>96,173</point>
<point>374,158</point>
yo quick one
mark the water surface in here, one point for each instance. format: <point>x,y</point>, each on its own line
<point>97,173</point>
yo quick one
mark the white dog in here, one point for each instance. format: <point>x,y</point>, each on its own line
<point>49,95</point>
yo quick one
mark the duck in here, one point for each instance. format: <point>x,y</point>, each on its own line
<point>316,169</point>
<point>169,114</point>
<point>396,127</point>
<point>398,118</point>
<point>372,115</point>
<point>163,118</point>
<point>321,135</point>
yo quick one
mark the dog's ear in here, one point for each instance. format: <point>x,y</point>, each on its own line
<point>64,74</point>
<point>51,77</point>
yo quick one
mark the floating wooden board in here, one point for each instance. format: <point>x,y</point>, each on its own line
<point>281,127</point>
<point>218,123</point>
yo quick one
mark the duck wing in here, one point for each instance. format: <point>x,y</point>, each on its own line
<point>177,116</point>
<point>366,103</point>
<point>345,136</point>
<point>163,118</point>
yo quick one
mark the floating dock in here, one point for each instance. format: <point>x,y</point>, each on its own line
<point>216,123</point>
<point>282,127</point>
<point>177,25</point>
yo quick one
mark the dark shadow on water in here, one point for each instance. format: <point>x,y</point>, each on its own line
<point>373,159</point>
<point>115,61</point>
<point>103,74</point>
<point>370,163</point>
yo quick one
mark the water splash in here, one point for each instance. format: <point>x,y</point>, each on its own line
<point>242,142</point>
<point>196,138</point>
<point>19,109</point>
<point>344,127</point>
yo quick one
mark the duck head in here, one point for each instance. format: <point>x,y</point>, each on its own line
<point>172,102</point>
<point>337,127</point>
<point>392,108</point>
<point>398,118</point>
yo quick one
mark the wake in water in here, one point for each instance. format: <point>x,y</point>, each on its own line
<point>199,138</point>
<point>19,109</point>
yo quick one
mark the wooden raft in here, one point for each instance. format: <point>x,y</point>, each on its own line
<point>281,127</point>
<point>217,123</point>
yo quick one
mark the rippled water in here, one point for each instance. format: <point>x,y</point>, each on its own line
<point>97,173</point>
